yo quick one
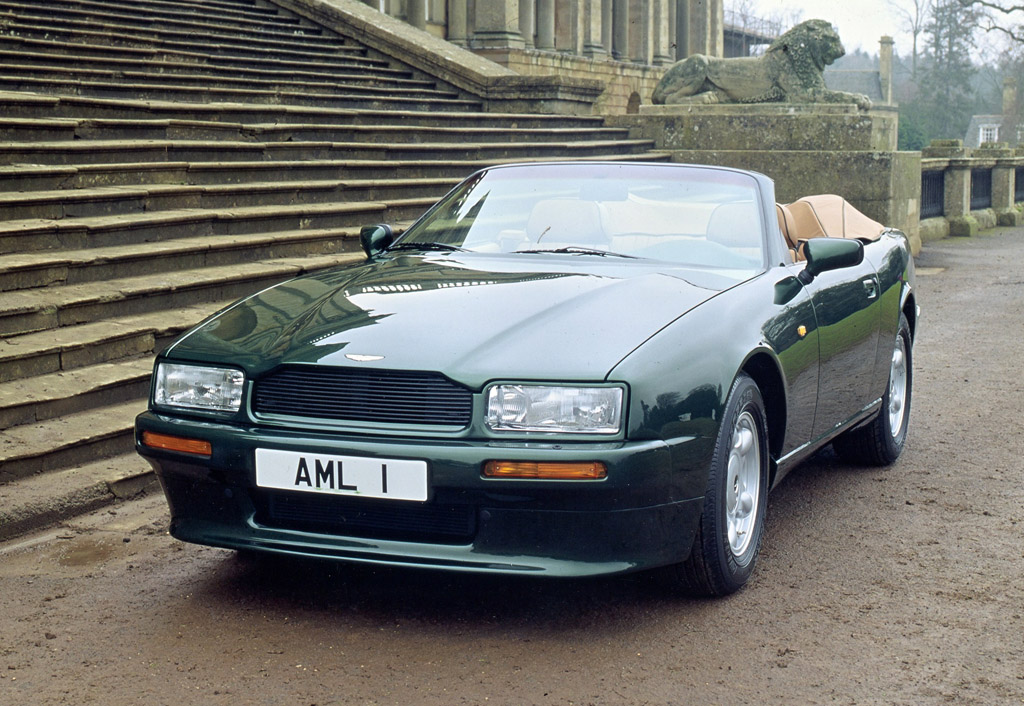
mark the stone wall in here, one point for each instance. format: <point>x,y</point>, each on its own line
<point>626,84</point>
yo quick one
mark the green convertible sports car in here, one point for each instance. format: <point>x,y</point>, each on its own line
<point>561,369</point>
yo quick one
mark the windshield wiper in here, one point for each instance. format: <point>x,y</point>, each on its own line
<point>426,246</point>
<point>576,250</point>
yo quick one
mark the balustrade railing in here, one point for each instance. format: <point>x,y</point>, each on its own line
<point>956,180</point>
<point>981,189</point>
<point>933,186</point>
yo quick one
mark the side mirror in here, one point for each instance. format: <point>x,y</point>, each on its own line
<point>373,239</point>
<point>825,254</point>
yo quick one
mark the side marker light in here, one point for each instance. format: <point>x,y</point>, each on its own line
<point>177,443</point>
<point>545,471</point>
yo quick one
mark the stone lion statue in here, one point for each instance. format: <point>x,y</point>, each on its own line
<point>790,72</point>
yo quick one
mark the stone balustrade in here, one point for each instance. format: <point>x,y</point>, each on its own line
<point>965,190</point>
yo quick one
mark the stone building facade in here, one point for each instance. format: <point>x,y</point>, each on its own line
<point>626,44</point>
<point>653,32</point>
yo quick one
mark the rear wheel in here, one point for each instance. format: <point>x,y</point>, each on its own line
<point>880,442</point>
<point>732,520</point>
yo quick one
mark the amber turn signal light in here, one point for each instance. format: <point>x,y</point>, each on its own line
<point>177,443</point>
<point>546,471</point>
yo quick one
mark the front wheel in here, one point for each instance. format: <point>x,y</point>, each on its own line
<point>880,442</point>
<point>732,521</point>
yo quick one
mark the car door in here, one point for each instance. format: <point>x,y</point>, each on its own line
<point>847,312</point>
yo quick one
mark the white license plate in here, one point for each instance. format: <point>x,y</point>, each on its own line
<point>394,479</point>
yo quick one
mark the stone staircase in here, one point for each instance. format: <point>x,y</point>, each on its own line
<point>160,158</point>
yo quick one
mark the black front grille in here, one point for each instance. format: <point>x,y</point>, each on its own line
<point>363,396</point>
<point>367,518</point>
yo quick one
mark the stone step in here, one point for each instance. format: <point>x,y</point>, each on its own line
<point>48,308</point>
<point>149,198</point>
<point>36,234</point>
<point>67,441</point>
<point>204,7</point>
<point>344,97</point>
<point>37,399</point>
<point>30,177</point>
<point>66,129</point>
<point>113,151</point>
<point>46,268</point>
<point>92,15</point>
<point>147,12</point>
<point>72,347</point>
<point>127,34</point>
<point>353,72</point>
<point>24,53</point>
<point>58,51</point>
<point>48,76</point>
<point>15,104</point>
<point>47,499</point>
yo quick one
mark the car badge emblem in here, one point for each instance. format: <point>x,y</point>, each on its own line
<point>363,358</point>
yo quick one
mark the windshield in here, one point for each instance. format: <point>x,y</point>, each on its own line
<point>698,217</point>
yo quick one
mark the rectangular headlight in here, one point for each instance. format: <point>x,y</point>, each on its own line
<point>198,387</point>
<point>555,408</point>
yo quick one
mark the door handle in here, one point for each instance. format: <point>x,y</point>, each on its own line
<point>870,288</point>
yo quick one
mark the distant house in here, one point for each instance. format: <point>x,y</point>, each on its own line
<point>1004,127</point>
<point>875,83</point>
<point>867,82</point>
<point>989,128</point>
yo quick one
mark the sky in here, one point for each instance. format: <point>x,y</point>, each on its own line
<point>860,23</point>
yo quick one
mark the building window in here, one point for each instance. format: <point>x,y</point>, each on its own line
<point>988,133</point>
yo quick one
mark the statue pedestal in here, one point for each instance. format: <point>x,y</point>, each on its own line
<point>806,148</point>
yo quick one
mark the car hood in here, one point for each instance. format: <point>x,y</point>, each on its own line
<point>474,318</point>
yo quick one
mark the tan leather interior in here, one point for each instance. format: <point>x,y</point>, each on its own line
<point>823,215</point>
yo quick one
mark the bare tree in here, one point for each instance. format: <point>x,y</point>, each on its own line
<point>915,15</point>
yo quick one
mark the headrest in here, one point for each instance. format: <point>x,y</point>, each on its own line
<point>735,225</point>
<point>566,221</point>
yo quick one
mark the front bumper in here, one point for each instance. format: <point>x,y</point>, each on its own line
<point>644,514</point>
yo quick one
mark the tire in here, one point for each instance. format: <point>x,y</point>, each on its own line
<point>732,521</point>
<point>880,442</point>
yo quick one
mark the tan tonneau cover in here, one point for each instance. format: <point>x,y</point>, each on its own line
<point>824,215</point>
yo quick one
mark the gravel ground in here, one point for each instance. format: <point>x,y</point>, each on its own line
<point>894,586</point>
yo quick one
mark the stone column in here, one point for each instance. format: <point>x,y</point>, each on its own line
<point>546,25</point>
<point>1003,176</point>
<point>526,21</point>
<point>569,26</point>
<point>716,27</point>
<point>957,185</point>
<point>700,28</point>
<point>673,41</point>
<point>662,22</point>
<point>606,25</point>
<point>682,29</point>
<point>457,22</point>
<point>593,30</point>
<point>497,25</point>
<point>416,13</point>
<point>885,68</point>
<point>620,29</point>
<point>640,30</point>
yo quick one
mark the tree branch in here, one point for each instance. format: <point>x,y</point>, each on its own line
<point>997,6</point>
<point>1013,34</point>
